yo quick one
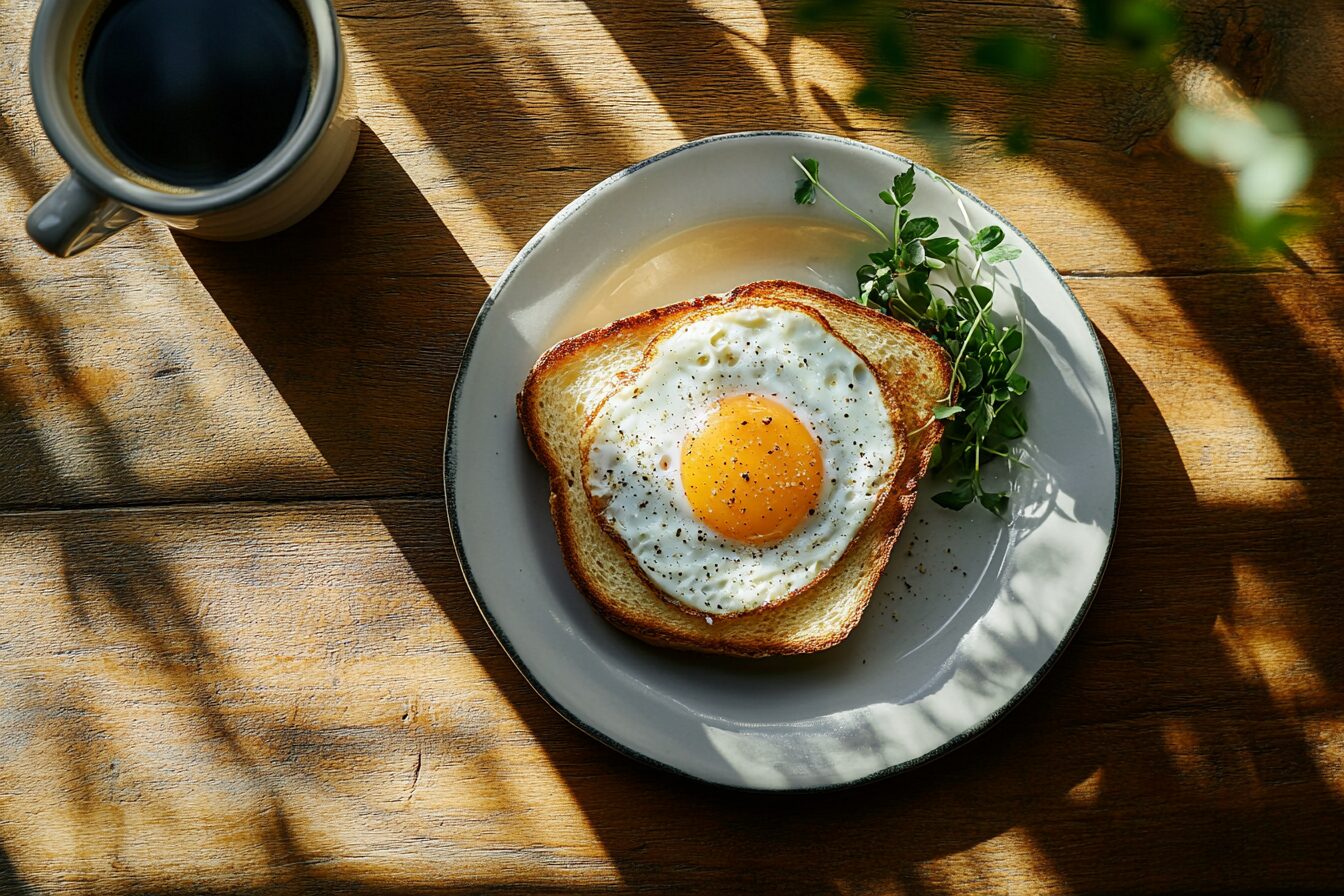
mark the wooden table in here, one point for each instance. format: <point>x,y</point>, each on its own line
<point>236,652</point>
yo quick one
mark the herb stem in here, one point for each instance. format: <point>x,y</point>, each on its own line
<point>962,352</point>
<point>988,415</point>
<point>913,314</point>
<point>1003,454</point>
<point>858,217</point>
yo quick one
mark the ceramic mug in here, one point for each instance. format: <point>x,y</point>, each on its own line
<point>101,195</point>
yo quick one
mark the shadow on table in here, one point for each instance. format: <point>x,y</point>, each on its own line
<point>115,580</point>
<point>365,360</point>
<point>1163,710</point>
<point>10,882</point>
<point>358,316</point>
<point>1167,726</point>
<point>1168,723</point>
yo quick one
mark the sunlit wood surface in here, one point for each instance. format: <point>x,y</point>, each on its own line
<point>236,654</point>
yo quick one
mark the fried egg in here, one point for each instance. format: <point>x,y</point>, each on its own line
<point>739,461</point>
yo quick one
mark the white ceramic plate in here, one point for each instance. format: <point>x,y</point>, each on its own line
<point>970,613</point>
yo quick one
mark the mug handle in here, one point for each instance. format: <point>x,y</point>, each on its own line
<point>74,217</point>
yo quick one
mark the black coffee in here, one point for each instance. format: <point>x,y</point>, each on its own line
<point>194,92</point>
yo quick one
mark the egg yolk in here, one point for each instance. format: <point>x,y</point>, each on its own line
<point>753,472</point>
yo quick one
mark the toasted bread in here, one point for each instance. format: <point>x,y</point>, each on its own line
<point>571,379</point>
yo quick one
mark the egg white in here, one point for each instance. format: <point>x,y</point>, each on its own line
<point>633,471</point>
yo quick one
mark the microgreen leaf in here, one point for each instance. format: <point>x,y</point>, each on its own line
<point>1011,423</point>
<point>995,502</point>
<point>816,13</point>
<point>903,187</point>
<point>979,418</point>
<point>891,47</point>
<point>1015,55</point>
<point>871,96</point>
<point>943,247</point>
<point>932,123</point>
<point>805,191</point>
<point>982,413</point>
<point>987,238</point>
<point>956,498</point>
<point>971,372</point>
<point>1002,253</point>
<point>918,282</point>
<point>919,228</point>
<point>912,253</point>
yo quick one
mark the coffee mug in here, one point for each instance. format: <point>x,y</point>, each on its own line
<point>203,163</point>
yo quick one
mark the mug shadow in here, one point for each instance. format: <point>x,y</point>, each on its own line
<point>359,315</point>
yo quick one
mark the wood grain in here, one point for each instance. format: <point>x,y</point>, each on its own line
<point>237,656</point>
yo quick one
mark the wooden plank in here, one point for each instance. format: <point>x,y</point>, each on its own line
<point>303,695</point>
<point>253,382</point>
<point>290,691</point>
<point>501,113</point>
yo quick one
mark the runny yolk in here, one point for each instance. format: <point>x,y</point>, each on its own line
<point>753,472</point>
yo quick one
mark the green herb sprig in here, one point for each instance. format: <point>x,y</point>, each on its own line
<point>900,280</point>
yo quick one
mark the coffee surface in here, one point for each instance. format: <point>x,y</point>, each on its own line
<point>195,92</point>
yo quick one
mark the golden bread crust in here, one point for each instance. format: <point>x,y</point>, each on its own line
<point>648,616</point>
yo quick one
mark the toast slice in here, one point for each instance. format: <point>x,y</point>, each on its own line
<point>571,379</point>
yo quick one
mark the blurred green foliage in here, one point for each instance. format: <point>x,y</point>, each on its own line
<point>1144,30</point>
<point>1270,161</point>
<point>1259,144</point>
<point>1016,56</point>
<point>932,123</point>
<point>1017,140</point>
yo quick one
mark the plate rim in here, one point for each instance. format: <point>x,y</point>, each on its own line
<point>450,467</point>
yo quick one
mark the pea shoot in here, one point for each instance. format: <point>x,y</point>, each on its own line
<point>982,413</point>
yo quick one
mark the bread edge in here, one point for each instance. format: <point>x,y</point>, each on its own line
<point>900,499</point>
